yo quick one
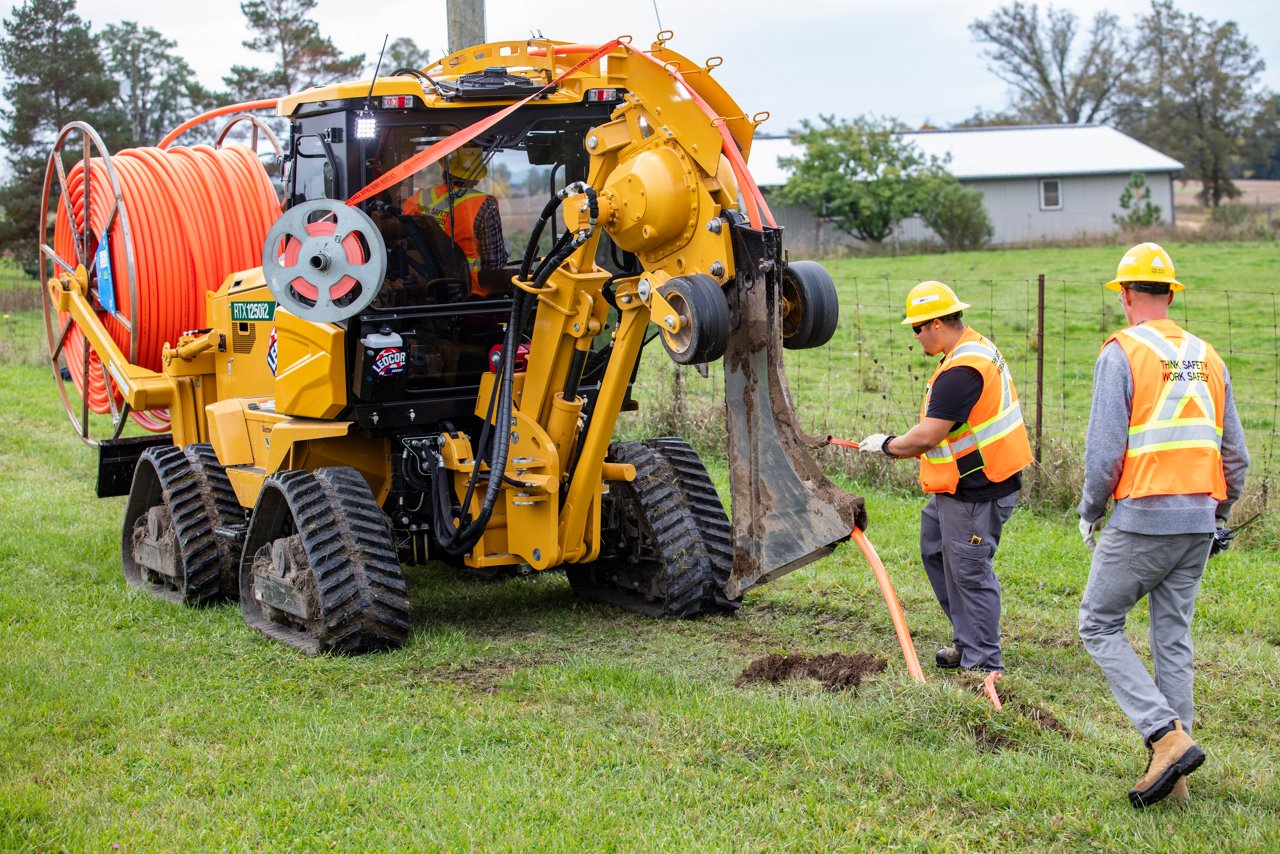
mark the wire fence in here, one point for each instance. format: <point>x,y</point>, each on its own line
<point>871,376</point>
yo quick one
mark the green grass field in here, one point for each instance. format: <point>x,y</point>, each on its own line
<point>519,717</point>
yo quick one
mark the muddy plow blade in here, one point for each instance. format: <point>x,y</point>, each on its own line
<point>786,513</point>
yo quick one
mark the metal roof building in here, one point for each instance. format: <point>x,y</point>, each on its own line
<point>1038,182</point>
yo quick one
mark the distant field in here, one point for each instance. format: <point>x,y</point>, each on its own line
<point>872,374</point>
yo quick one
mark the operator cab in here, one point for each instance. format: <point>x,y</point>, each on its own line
<point>417,352</point>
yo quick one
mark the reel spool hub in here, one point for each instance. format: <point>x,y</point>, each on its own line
<point>324,261</point>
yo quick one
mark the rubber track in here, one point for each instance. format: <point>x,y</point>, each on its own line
<point>223,509</point>
<point>363,598</point>
<point>685,525</point>
<point>198,548</point>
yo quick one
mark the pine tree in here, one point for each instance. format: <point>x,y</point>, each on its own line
<point>303,58</point>
<point>55,75</point>
<point>157,90</point>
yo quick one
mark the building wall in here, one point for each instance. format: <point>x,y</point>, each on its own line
<point>1088,202</point>
<point>1013,205</point>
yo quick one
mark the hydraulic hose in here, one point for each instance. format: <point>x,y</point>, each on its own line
<point>194,216</point>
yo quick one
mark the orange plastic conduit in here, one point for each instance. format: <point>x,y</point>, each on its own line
<point>891,601</point>
<point>196,215</point>
<point>247,106</point>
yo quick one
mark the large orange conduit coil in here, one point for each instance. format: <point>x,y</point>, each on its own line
<point>196,215</point>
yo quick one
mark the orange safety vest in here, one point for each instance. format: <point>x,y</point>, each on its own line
<point>1175,428</point>
<point>457,219</point>
<point>994,438</point>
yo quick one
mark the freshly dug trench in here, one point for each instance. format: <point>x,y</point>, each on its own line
<point>835,670</point>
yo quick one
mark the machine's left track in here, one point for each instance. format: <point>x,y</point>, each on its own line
<point>319,570</point>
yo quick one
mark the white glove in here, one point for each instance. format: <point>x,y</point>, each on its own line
<point>874,444</point>
<point>1089,532</point>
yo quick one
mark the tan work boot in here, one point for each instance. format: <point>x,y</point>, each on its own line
<point>1174,756</point>
<point>1180,794</point>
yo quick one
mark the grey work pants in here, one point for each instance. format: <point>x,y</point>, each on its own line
<point>958,542</point>
<point>1165,568</point>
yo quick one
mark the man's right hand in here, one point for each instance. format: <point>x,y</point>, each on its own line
<point>875,444</point>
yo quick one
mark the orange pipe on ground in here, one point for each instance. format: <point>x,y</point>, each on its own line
<point>891,601</point>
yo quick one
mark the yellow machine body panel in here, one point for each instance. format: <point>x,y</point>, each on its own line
<point>311,371</point>
<point>242,313</point>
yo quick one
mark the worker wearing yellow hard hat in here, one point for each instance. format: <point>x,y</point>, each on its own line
<point>469,217</point>
<point>1164,444</point>
<point>972,446</point>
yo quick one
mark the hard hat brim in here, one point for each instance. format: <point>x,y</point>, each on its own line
<point>1174,284</point>
<point>935,314</point>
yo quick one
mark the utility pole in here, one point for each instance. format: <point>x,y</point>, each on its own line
<point>466,23</point>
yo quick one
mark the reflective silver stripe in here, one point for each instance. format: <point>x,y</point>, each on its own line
<point>999,426</point>
<point>1163,433</point>
<point>962,444</point>
<point>1162,347</point>
<point>939,454</point>
<point>976,348</point>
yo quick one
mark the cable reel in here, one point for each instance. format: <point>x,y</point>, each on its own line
<point>324,261</point>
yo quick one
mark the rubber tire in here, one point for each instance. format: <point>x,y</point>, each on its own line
<point>225,511</point>
<point>814,306</point>
<point>701,300</point>
<point>676,559</point>
<point>167,475</point>
<point>361,594</point>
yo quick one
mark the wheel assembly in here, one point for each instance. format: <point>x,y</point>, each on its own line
<point>810,306</point>
<point>703,313</point>
<point>319,570</point>
<point>151,234</point>
<point>667,547</point>
<point>170,546</point>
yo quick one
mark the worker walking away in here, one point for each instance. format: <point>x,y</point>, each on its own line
<point>467,216</point>
<point>1165,442</point>
<point>972,445</point>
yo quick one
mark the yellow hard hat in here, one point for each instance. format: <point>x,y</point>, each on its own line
<point>1146,262</point>
<point>928,300</point>
<point>466,164</point>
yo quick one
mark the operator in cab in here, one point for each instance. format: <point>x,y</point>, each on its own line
<point>972,445</point>
<point>467,216</point>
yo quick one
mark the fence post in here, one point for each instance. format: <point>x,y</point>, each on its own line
<point>1039,364</point>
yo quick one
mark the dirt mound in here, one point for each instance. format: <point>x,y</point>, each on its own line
<point>834,670</point>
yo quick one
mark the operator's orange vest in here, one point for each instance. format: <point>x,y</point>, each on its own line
<point>994,438</point>
<point>457,220</point>
<point>1175,429</point>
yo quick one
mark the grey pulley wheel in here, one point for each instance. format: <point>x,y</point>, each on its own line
<point>324,261</point>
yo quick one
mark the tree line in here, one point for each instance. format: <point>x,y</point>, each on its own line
<point>128,81</point>
<point>1184,85</point>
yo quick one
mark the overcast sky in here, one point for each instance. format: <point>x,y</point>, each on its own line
<point>910,59</point>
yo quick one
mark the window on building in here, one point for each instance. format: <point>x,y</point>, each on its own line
<point>1050,194</point>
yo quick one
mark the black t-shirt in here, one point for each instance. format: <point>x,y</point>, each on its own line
<point>952,398</point>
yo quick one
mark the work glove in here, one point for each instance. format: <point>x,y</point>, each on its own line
<point>874,444</point>
<point>1089,532</point>
<point>1221,539</point>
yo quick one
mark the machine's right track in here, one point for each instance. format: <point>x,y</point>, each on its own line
<point>668,545</point>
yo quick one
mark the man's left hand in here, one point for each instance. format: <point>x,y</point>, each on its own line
<point>1089,532</point>
<point>875,444</point>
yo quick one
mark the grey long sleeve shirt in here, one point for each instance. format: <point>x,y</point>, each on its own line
<point>1107,441</point>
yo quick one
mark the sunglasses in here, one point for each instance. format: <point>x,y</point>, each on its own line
<point>919,326</point>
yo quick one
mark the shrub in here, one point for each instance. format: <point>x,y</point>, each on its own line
<point>1135,201</point>
<point>957,215</point>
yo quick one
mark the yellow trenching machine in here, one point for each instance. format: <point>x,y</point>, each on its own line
<point>373,393</point>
